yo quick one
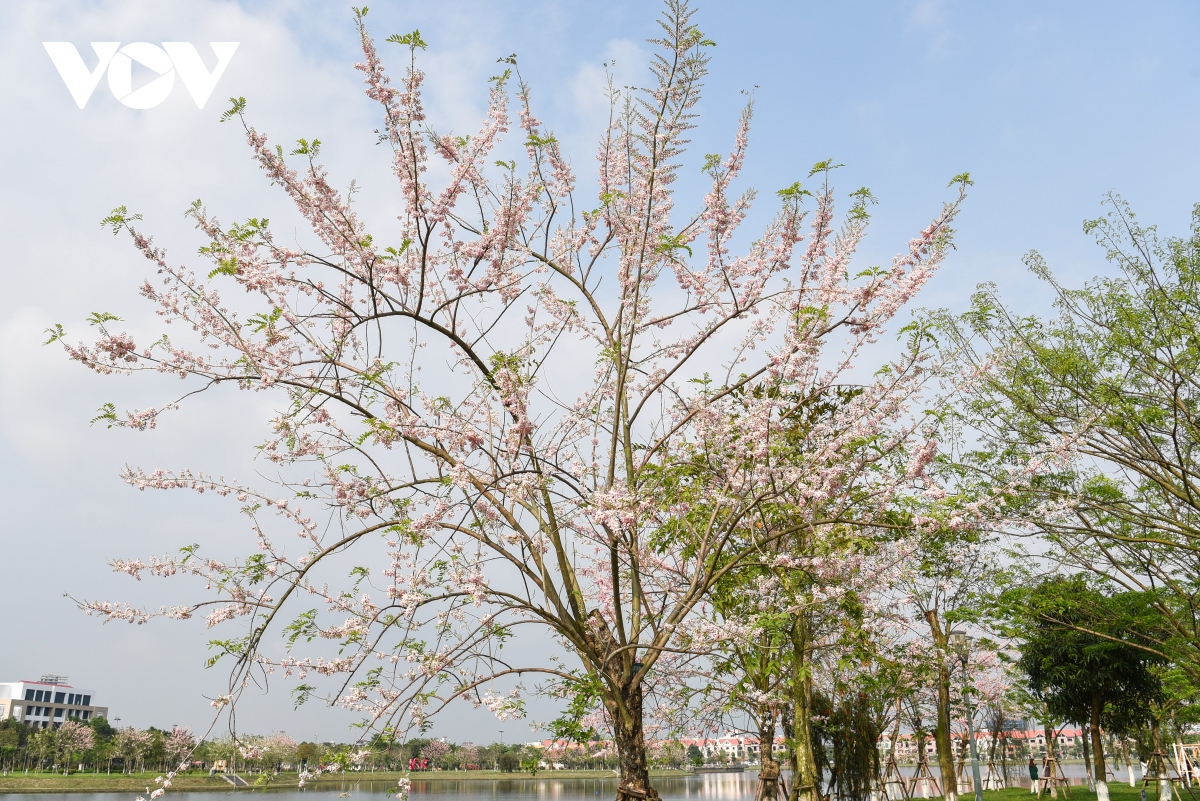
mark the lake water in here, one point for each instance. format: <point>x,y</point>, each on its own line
<point>707,787</point>
<point>684,787</point>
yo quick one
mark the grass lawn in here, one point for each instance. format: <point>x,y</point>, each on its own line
<point>1117,790</point>
<point>100,782</point>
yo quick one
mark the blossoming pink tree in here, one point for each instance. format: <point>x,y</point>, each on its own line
<point>73,738</point>
<point>179,745</point>
<point>506,410</point>
<point>132,745</point>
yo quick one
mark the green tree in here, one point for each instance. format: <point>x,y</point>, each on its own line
<point>308,753</point>
<point>1106,393</point>
<point>12,736</point>
<point>1082,657</point>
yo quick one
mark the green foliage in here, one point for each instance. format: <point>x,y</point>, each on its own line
<point>584,695</point>
<point>119,218</point>
<point>823,166</point>
<point>107,413</point>
<point>100,318</point>
<point>1102,397</point>
<point>1082,651</point>
<point>238,105</point>
<point>412,40</point>
<point>307,148</point>
<point>669,244</point>
<point>54,334</point>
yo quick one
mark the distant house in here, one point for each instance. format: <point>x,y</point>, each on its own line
<point>48,702</point>
<point>1034,740</point>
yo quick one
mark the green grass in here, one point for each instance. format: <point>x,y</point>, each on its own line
<point>101,782</point>
<point>1117,790</point>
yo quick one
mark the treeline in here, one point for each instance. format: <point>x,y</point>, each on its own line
<point>97,746</point>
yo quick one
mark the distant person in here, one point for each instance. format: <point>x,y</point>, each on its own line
<point>1033,776</point>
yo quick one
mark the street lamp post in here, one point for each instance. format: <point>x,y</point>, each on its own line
<point>958,641</point>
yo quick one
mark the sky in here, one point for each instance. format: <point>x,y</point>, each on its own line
<point>1048,106</point>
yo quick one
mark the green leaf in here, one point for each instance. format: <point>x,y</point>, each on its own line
<point>793,192</point>
<point>301,693</point>
<point>261,322</point>
<point>225,267</point>
<point>394,253</point>
<point>235,110</point>
<point>100,318</point>
<point>56,333</point>
<point>668,244</point>
<point>106,412</point>
<point>306,148</point>
<point>823,166</point>
<point>119,218</point>
<point>412,40</point>
<point>963,179</point>
<point>540,141</point>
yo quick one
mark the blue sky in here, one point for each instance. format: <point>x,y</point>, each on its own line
<point>1047,105</point>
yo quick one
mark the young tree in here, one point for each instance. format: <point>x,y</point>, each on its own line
<point>179,745</point>
<point>504,486</point>
<point>73,738</point>
<point>1105,396</point>
<point>1079,659</point>
<point>132,746</point>
<point>42,746</point>
<point>947,575</point>
<point>435,751</point>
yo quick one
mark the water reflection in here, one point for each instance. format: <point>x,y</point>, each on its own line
<point>682,787</point>
<point>713,786</point>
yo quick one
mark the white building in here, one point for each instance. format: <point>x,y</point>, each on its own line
<point>47,702</point>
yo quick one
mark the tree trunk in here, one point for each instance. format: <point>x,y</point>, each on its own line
<point>768,775</point>
<point>1158,762</point>
<point>1098,765</point>
<point>1129,762</point>
<point>941,735</point>
<point>766,733</point>
<point>631,746</point>
<point>805,780</point>
<point>1051,754</point>
<point>1004,762</point>
<point>1087,756</point>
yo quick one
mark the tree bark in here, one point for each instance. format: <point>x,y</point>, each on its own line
<point>941,734</point>
<point>1050,755</point>
<point>1098,765</point>
<point>1129,761</point>
<point>1087,754</point>
<point>1158,762</point>
<point>631,746</point>
<point>805,781</point>
<point>769,774</point>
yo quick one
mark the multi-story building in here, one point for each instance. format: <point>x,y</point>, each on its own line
<point>47,702</point>
<point>1030,742</point>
